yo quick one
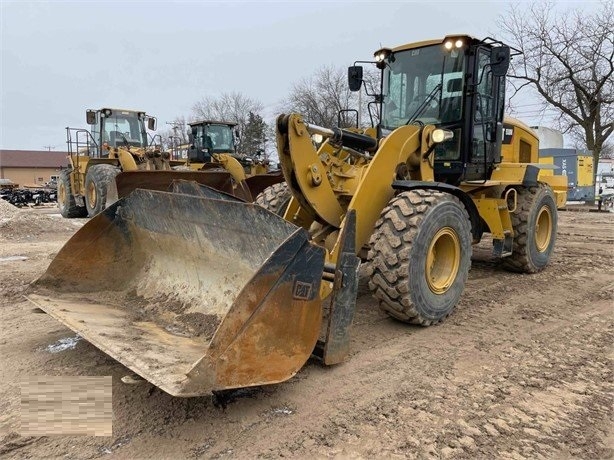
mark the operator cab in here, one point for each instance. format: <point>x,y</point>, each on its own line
<point>457,85</point>
<point>209,137</point>
<point>119,128</point>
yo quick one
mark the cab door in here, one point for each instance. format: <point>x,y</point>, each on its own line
<point>486,120</point>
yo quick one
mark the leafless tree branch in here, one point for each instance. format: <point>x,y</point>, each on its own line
<point>568,58</point>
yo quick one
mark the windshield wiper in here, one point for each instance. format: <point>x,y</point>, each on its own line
<point>423,106</point>
<point>126,143</point>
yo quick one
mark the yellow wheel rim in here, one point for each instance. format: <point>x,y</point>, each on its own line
<point>61,194</point>
<point>91,194</point>
<point>443,260</point>
<point>543,229</point>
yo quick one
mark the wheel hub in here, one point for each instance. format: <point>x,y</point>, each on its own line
<point>61,194</point>
<point>91,194</point>
<point>442,260</point>
<point>543,229</point>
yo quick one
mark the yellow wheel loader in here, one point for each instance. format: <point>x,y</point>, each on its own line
<point>118,141</point>
<point>196,291</point>
<point>212,145</point>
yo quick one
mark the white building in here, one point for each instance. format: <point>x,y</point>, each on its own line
<point>548,138</point>
<point>605,174</point>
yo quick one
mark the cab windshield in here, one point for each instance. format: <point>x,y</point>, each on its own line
<point>216,138</point>
<point>124,128</point>
<point>423,85</point>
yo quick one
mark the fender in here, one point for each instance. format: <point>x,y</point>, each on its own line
<point>477,228</point>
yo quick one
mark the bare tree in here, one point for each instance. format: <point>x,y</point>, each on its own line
<point>370,113</point>
<point>320,97</point>
<point>234,107</point>
<point>568,59</point>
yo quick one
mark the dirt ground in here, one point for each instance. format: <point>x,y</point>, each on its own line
<point>522,369</point>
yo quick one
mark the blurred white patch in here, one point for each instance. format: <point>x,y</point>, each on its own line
<point>68,343</point>
<point>282,411</point>
<point>12,258</point>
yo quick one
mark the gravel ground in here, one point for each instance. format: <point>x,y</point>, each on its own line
<point>522,369</point>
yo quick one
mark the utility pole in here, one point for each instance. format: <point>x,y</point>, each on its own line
<point>360,108</point>
<point>49,147</point>
<point>176,139</point>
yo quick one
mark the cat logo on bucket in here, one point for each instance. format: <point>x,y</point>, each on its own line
<point>302,290</point>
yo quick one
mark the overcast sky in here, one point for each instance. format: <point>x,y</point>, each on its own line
<point>60,58</point>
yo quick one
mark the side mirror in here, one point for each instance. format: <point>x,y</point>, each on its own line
<point>191,139</point>
<point>500,61</point>
<point>91,116</point>
<point>355,77</point>
<point>151,123</point>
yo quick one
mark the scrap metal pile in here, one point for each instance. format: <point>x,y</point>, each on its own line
<point>28,197</point>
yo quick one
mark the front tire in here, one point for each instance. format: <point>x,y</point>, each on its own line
<point>420,256</point>
<point>535,225</point>
<point>97,181</point>
<point>275,198</point>
<point>65,198</point>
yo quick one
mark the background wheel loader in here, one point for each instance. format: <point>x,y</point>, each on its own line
<point>198,292</point>
<point>118,141</point>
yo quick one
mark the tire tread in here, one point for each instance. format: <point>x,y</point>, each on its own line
<point>389,257</point>
<point>100,174</point>
<point>520,260</point>
<point>275,198</point>
<point>71,210</point>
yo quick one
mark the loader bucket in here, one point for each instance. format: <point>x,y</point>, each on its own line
<point>129,181</point>
<point>200,190</point>
<point>194,294</point>
<point>259,182</point>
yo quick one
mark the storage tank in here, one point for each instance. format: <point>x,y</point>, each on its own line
<point>548,138</point>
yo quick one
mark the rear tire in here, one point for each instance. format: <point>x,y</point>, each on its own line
<point>535,226</point>
<point>65,198</point>
<point>275,198</point>
<point>420,256</point>
<point>97,182</point>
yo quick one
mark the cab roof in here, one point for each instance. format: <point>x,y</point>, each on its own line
<point>436,41</point>
<point>120,110</point>
<point>212,122</point>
